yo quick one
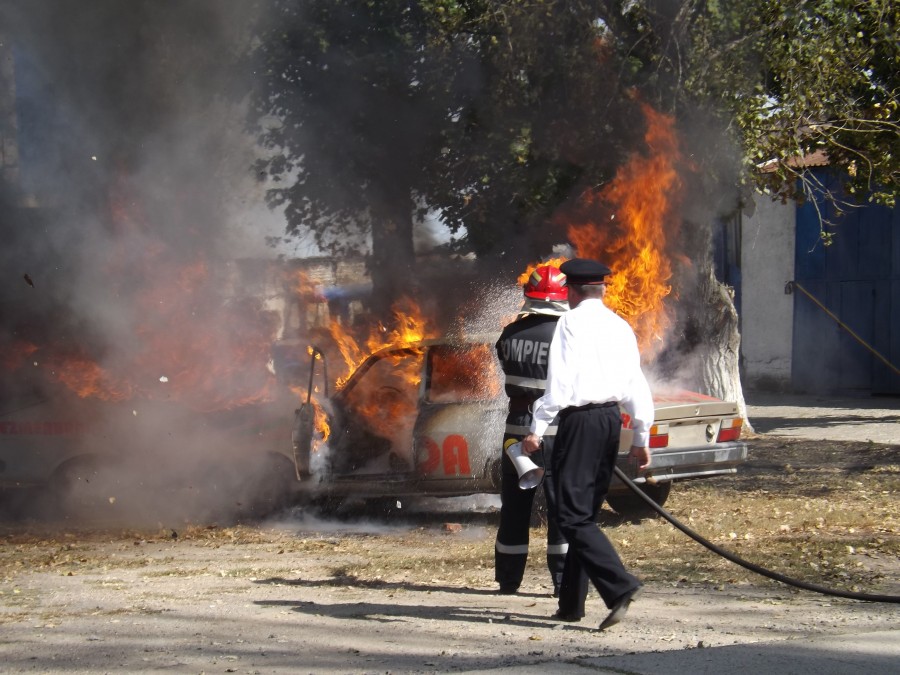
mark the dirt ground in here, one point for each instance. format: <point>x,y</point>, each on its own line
<point>409,592</point>
<point>284,598</point>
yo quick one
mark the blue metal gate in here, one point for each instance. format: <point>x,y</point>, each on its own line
<point>854,281</point>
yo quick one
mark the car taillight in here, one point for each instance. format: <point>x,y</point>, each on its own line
<point>659,436</point>
<point>730,430</point>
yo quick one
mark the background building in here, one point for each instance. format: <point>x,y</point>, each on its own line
<point>814,318</point>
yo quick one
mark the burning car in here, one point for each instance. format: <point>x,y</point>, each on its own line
<point>427,419</point>
<point>422,418</point>
<point>139,460</point>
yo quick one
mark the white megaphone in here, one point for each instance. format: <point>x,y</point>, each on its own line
<point>530,474</point>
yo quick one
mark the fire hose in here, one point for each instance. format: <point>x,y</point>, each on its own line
<point>868,597</point>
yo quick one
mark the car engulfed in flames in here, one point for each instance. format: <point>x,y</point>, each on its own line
<point>423,418</point>
<point>427,419</point>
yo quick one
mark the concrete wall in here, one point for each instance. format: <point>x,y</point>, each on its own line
<point>767,264</point>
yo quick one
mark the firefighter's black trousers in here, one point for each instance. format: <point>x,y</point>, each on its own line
<point>511,548</point>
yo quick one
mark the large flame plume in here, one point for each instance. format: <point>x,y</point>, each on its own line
<point>628,223</point>
<point>409,326</point>
<point>395,408</point>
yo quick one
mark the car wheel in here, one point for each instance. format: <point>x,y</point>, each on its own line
<point>629,505</point>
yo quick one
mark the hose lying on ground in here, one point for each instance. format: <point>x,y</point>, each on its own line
<point>868,597</point>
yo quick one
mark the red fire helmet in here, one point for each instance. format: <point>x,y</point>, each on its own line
<point>546,283</point>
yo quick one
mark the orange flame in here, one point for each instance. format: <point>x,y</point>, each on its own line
<point>320,424</point>
<point>469,373</point>
<point>87,379</point>
<point>191,340</point>
<point>387,407</point>
<point>77,371</point>
<point>389,411</point>
<point>212,355</point>
<point>301,285</point>
<point>625,225</point>
<point>320,419</point>
<point>13,356</point>
<point>410,327</point>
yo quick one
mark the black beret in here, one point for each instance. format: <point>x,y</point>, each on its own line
<point>581,271</point>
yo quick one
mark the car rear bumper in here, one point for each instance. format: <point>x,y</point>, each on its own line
<point>684,463</point>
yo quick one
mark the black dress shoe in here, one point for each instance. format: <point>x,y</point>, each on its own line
<point>508,590</point>
<point>559,615</point>
<point>618,611</point>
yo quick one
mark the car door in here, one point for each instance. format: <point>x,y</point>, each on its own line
<point>459,428</point>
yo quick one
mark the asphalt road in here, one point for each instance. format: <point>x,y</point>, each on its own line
<point>874,419</point>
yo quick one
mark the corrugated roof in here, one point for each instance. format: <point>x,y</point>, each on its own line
<point>817,158</point>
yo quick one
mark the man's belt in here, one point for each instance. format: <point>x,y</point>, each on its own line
<point>588,406</point>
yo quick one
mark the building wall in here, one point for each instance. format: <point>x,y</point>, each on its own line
<point>767,264</point>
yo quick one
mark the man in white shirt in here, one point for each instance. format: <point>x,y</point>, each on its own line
<point>594,366</point>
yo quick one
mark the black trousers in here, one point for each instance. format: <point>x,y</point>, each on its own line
<point>587,442</point>
<point>511,548</point>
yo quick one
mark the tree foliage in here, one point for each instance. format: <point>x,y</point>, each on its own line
<point>354,97</point>
<point>493,113</point>
<point>811,80</point>
<point>550,117</point>
<point>789,80</point>
<point>486,112</point>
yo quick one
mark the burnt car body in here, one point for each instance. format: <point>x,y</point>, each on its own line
<point>428,419</point>
<point>61,453</point>
<point>423,419</point>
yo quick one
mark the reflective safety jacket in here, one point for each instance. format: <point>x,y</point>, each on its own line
<point>523,349</point>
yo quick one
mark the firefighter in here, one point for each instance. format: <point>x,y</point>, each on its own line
<point>523,349</point>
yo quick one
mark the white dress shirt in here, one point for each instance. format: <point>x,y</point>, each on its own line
<point>594,358</point>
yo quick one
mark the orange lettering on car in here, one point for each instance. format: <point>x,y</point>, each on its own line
<point>431,462</point>
<point>456,456</point>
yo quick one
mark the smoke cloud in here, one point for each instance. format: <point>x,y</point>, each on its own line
<point>130,302</point>
<point>124,307</point>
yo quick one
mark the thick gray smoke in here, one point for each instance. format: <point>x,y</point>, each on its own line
<point>121,221</point>
<point>131,154</point>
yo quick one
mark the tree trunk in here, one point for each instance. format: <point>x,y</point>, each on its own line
<point>719,351</point>
<point>704,349</point>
